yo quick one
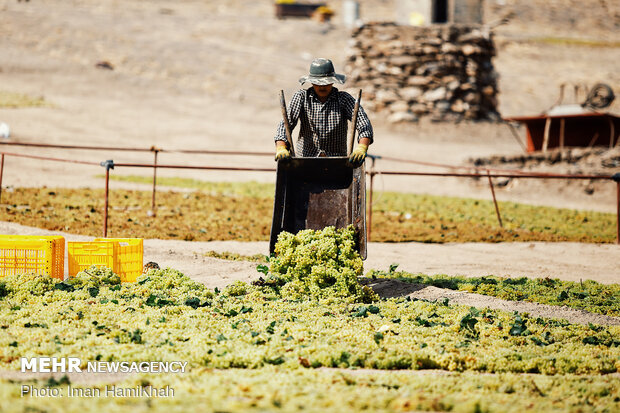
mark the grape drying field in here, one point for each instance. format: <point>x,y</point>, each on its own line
<point>306,336</point>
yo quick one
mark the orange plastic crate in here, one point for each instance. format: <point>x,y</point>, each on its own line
<point>38,254</point>
<point>122,255</point>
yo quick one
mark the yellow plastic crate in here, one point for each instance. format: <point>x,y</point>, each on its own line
<point>123,255</point>
<point>81,255</point>
<point>130,256</point>
<point>38,254</point>
<point>58,260</point>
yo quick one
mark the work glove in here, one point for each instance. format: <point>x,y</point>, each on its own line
<point>282,153</point>
<point>359,154</point>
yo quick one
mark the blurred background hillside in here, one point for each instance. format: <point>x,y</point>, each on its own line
<point>237,49</point>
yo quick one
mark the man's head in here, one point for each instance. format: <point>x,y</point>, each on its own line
<point>322,91</point>
<point>322,73</point>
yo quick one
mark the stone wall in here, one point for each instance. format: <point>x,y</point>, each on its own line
<point>443,71</point>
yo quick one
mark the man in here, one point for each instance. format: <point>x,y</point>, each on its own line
<point>323,111</point>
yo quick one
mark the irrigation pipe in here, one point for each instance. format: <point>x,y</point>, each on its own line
<point>1,172</point>
<point>126,149</point>
<point>109,164</point>
<point>206,168</point>
<point>370,192</point>
<point>232,153</point>
<point>499,217</point>
<point>47,158</point>
<point>499,175</point>
<point>439,165</point>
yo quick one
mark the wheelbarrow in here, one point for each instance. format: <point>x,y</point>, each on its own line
<point>314,193</point>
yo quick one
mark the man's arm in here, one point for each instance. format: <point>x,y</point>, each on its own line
<point>294,110</point>
<point>365,134</point>
<point>363,126</point>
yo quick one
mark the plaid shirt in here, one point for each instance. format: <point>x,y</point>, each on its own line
<point>323,125</point>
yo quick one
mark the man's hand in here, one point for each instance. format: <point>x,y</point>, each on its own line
<point>359,154</point>
<point>282,153</point>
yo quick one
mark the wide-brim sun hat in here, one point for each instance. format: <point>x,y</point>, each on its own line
<point>322,73</point>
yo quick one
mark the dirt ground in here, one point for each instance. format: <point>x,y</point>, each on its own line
<point>205,75</point>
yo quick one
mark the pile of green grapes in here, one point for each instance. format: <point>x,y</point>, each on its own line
<point>319,264</point>
<point>585,295</point>
<point>308,312</point>
<point>167,316</point>
<point>274,389</point>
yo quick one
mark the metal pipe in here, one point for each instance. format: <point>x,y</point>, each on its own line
<point>210,168</point>
<point>105,211</point>
<point>498,175</point>
<point>155,151</point>
<point>369,227</point>
<point>114,148</point>
<point>228,168</point>
<point>453,174</point>
<point>204,152</point>
<point>618,212</point>
<point>525,175</point>
<point>369,207</point>
<point>499,217</point>
<point>109,164</point>
<point>86,147</point>
<point>1,173</point>
<point>46,158</point>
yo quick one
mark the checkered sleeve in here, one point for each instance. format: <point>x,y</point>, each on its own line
<point>364,128</point>
<point>293,109</point>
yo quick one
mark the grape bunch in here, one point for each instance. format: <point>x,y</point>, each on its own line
<point>319,264</point>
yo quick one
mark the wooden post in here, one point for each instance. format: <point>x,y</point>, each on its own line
<point>287,126</point>
<point>354,123</point>
<point>612,132</point>
<point>499,218</point>
<point>546,135</point>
